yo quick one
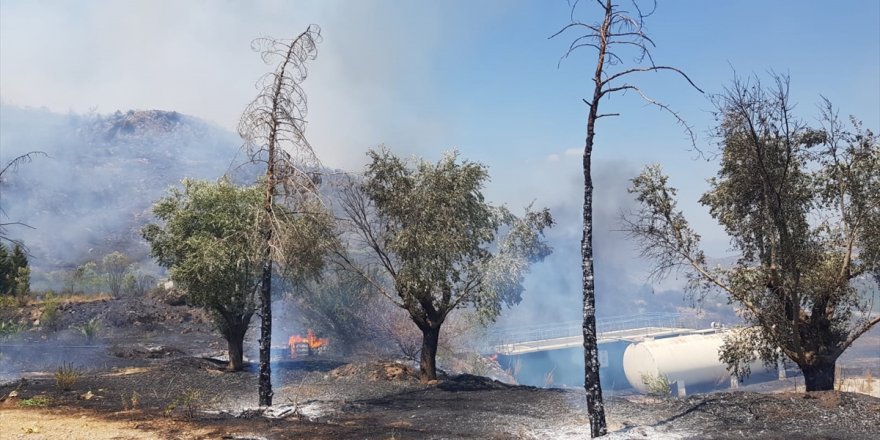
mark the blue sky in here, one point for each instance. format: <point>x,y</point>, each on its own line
<point>424,77</point>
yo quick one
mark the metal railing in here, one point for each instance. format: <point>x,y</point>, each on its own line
<point>539,332</point>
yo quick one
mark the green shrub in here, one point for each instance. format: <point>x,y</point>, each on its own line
<point>35,402</point>
<point>9,329</point>
<point>90,329</point>
<point>658,385</point>
<point>50,316</point>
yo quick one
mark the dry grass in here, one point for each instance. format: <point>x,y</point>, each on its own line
<point>66,376</point>
<point>77,298</point>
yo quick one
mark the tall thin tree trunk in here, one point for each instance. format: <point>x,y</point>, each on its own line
<point>428,361</point>
<point>820,376</point>
<point>595,404</point>
<point>266,333</point>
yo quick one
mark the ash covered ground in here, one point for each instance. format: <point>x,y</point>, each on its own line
<point>154,373</point>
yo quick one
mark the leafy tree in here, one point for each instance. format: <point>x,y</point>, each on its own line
<point>428,232</point>
<point>212,245</point>
<point>115,267</point>
<point>5,271</point>
<point>617,35</point>
<point>208,242</point>
<point>84,278</point>
<point>273,128</point>
<point>801,207</point>
<point>137,283</point>
<point>15,273</point>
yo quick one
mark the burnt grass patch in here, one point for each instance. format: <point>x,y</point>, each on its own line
<point>163,381</point>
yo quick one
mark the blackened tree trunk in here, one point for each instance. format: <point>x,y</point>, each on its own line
<point>595,404</point>
<point>621,30</point>
<point>428,359</point>
<point>265,381</point>
<point>820,375</point>
<point>235,344</point>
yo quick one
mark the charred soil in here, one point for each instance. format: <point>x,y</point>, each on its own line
<point>163,382</point>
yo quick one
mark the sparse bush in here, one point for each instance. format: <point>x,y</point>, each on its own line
<point>7,302</point>
<point>190,401</point>
<point>115,267</point>
<point>130,402</point>
<point>35,402</point>
<point>658,385</point>
<point>9,329</point>
<point>477,364</point>
<point>549,379</point>
<point>50,316</point>
<point>90,329</point>
<point>137,283</point>
<point>66,376</point>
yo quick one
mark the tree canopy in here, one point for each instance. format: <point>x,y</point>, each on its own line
<point>801,207</point>
<point>428,231</point>
<point>209,243</point>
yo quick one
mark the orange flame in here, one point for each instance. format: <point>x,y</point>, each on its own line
<point>309,340</point>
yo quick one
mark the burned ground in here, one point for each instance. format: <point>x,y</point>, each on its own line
<point>163,382</point>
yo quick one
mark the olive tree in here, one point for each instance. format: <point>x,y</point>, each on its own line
<point>209,244</point>
<point>210,240</point>
<point>802,208</point>
<point>423,236</point>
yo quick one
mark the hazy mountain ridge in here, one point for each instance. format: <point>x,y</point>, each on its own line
<point>94,191</point>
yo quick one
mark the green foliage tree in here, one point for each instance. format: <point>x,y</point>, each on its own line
<point>208,242</point>
<point>802,207</point>
<point>211,242</point>
<point>5,271</point>
<point>434,242</point>
<point>15,272</point>
<point>84,278</point>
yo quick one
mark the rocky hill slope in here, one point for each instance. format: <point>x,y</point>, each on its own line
<point>93,192</point>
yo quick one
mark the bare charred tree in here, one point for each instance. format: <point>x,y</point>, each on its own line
<point>11,166</point>
<point>273,128</point>
<point>619,33</point>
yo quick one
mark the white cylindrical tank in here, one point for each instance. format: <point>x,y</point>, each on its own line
<point>691,359</point>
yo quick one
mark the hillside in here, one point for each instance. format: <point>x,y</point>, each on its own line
<point>93,192</point>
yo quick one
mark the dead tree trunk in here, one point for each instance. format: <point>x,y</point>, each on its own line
<point>618,28</point>
<point>265,381</point>
<point>592,386</point>
<point>273,127</point>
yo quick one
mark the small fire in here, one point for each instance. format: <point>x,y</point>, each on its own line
<point>307,345</point>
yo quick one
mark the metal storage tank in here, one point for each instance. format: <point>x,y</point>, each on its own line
<point>690,359</point>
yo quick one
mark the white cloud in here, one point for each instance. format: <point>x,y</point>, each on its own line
<point>574,152</point>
